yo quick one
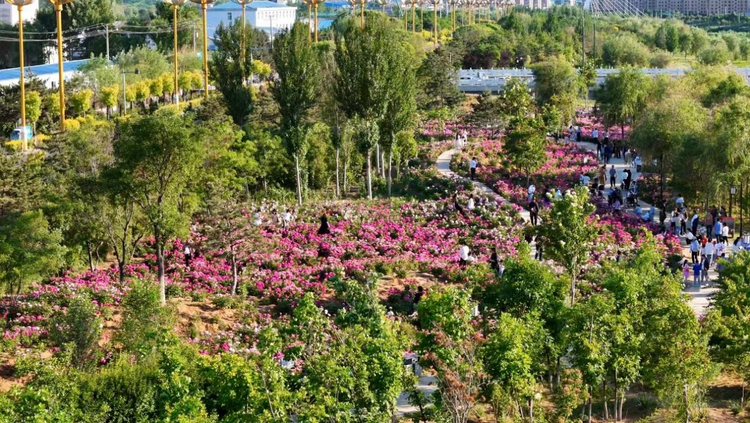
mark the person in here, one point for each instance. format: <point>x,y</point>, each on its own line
<point>708,252</point>
<point>496,263</point>
<point>673,222</point>
<point>418,296</point>
<point>679,202</point>
<point>720,263</point>
<point>709,223</point>
<point>606,135</point>
<point>695,249</point>
<point>662,216</point>
<point>286,218</point>
<point>470,205</point>
<point>533,212</point>
<point>704,270</point>
<point>571,133</point>
<point>607,153</point>
<point>720,248</point>
<point>473,168</point>
<point>618,257</point>
<point>578,133</point>
<point>595,136</point>
<point>718,229</point>
<point>638,163</point>
<point>612,177</point>
<point>457,205</point>
<point>736,247</point>
<point>725,233</point>
<point>602,177</point>
<point>188,252</point>
<point>539,249</point>
<point>694,222</point>
<point>532,190</point>
<point>697,273</point>
<point>628,157</point>
<point>324,228</point>
<point>685,272</point>
<point>463,255</point>
<point>257,219</point>
<point>683,222</point>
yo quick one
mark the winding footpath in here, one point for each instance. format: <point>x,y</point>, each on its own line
<point>700,298</point>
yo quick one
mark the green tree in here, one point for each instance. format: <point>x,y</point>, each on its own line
<point>33,108</point>
<point>158,156</point>
<point>79,327</point>
<point>230,67</point>
<point>437,75</point>
<point>525,149</point>
<point>622,96</point>
<point>624,50</point>
<point>109,97</point>
<point>29,250</point>
<point>81,101</point>
<point>660,130</point>
<point>555,78</point>
<point>295,91</point>
<point>567,234</point>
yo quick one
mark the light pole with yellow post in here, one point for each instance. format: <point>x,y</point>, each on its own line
<point>58,4</point>
<point>435,28</point>
<point>204,7</point>
<point>20,4</point>
<point>362,4</point>
<point>176,4</point>
<point>413,15</point>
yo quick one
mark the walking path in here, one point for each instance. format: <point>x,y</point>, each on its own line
<point>700,298</point>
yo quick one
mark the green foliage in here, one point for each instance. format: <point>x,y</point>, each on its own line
<point>567,235</point>
<point>525,149</point>
<point>622,96</point>
<point>81,101</point>
<point>144,320</point>
<point>555,78</point>
<point>230,68</point>
<point>624,50</point>
<point>78,326</point>
<point>33,106</point>
<point>29,250</point>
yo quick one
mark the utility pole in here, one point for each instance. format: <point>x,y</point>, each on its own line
<point>106,29</point>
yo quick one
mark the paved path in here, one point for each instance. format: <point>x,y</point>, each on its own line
<point>700,297</point>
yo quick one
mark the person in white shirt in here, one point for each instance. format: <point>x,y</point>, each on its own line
<point>532,190</point>
<point>595,135</point>
<point>680,202</point>
<point>638,164</point>
<point>464,257</point>
<point>471,204</point>
<point>709,250</point>
<point>725,233</point>
<point>257,220</point>
<point>286,218</point>
<point>473,168</point>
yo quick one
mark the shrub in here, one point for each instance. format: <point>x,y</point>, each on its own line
<point>144,319</point>
<point>80,329</point>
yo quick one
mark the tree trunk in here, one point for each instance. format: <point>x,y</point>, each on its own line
<point>338,186</point>
<point>531,409</point>
<point>390,171</point>
<point>91,255</point>
<point>121,270</point>
<point>591,402</point>
<point>687,404</point>
<point>369,175</point>
<point>234,274</point>
<point>299,183</point>
<point>604,398</point>
<point>346,179</point>
<point>622,402</point>
<point>617,393</point>
<point>377,158</point>
<point>160,272</point>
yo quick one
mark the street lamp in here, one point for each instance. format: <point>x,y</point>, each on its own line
<point>405,10</point>
<point>204,7</point>
<point>362,4</point>
<point>124,89</point>
<point>58,14</point>
<point>175,4</point>
<point>20,4</point>
<point>453,4</point>
<point>435,4</point>
<point>413,15</point>
<point>732,193</point>
<point>313,5</point>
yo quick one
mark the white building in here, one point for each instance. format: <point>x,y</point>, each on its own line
<point>9,12</point>
<point>269,16</point>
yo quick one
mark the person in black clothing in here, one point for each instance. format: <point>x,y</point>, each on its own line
<point>417,298</point>
<point>494,261</point>
<point>457,205</point>
<point>662,215</point>
<point>324,229</point>
<point>533,212</point>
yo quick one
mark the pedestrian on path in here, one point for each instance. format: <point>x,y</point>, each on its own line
<point>628,157</point>
<point>708,252</point>
<point>612,177</point>
<point>697,274</point>
<point>533,212</point>
<point>531,190</point>
<point>638,163</point>
<point>607,153</point>
<point>695,250</point>
<point>685,272</point>
<point>473,168</point>
<point>694,223</point>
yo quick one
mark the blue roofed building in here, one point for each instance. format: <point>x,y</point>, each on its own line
<point>47,73</point>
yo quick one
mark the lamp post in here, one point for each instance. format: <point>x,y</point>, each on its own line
<point>413,15</point>
<point>435,29</point>
<point>404,8</point>
<point>58,4</point>
<point>20,4</point>
<point>453,4</point>
<point>362,4</point>
<point>124,90</point>
<point>732,192</point>
<point>204,8</point>
<point>175,4</point>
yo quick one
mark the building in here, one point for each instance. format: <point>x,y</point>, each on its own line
<point>269,16</point>
<point>47,73</point>
<point>694,7</point>
<point>9,13</point>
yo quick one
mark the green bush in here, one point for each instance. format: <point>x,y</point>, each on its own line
<point>145,321</point>
<point>79,328</point>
